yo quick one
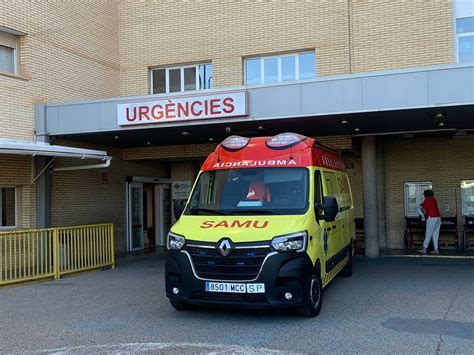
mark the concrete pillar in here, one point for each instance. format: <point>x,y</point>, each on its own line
<point>380,176</point>
<point>370,196</point>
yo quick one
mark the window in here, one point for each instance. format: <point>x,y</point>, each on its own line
<point>179,79</point>
<point>464,17</point>
<point>7,59</point>
<point>9,44</point>
<point>7,207</point>
<point>414,196</point>
<point>467,197</point>
<point>250,191</point>
<point>274,69</point>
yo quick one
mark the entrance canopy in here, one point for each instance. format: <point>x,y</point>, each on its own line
<point>421,100</point>
<point>45,149</point>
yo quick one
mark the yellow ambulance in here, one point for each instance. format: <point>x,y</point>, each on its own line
<point>269,223</point>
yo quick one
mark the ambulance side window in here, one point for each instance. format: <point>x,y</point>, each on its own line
<point>318,188</point>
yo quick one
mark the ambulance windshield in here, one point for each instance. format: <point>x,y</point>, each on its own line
<point>256,191</point>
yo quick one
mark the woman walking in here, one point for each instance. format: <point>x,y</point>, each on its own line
<point>433,222</point>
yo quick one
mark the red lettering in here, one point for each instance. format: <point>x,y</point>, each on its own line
<point>207,224</point>
<point>196,113</point>
<point>228,105</point>
<point>215,106</point>
<point>157,112</point>
<point>222,224</point>
<point>127,114</point>
<point>237,224</point>
<point>143,113</point>
<point>170,110</point>
<point>183,110</point>
<point>264,225</point>
<point>206,107</point>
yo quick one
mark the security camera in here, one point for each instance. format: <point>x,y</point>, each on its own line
<point>227,130</point>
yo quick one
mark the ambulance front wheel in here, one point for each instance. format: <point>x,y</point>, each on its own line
<point>312,307</point>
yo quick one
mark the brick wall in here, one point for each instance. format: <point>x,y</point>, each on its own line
<point>443,161</point>
<point>70,52</point>
<point>79,197</point>
<point>348,36</point>
<point>16,172</point>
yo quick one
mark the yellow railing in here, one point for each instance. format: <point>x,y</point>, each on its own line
<point>27,255</point>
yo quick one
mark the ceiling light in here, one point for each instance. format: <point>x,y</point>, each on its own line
<point>344,122</point>
<point>357,130</point>
<point>441,124</point>
<point>260,128</point>
<point>211,139</point>
<point>148,143</point>
<point>439,115</point>
<point>185,133</point>
<point>116,137</point>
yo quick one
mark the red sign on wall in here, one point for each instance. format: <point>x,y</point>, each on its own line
<point>197,107</point>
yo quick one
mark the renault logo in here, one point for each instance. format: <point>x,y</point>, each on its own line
<point>225,247</point>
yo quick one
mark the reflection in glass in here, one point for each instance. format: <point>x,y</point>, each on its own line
<point>467,197</point>
<point>288,68</point>
<point>205,77</point>
<point>466,49</point>
<point>7,207</point>
<point>252,71</point>
<point>464,25</point>
<point>270,70</point>
<point>159,81</point>
<point>189,78</point>
<point>175,80</point>
<point>306,66</point>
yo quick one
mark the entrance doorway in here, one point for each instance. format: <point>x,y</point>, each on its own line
<point>148,212</point>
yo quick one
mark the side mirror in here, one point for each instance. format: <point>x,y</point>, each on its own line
<point>178,207</point>
<point>330,207</point>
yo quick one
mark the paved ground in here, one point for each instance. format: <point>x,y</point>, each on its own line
<point>396,305</point>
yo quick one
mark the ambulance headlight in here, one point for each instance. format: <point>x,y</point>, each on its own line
<point>175,241</point>
<point>291,242</point>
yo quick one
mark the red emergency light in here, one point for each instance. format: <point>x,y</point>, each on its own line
<point>235,143</point>
<point>284,140</point>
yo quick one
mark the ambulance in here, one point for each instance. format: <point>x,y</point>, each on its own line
<point>269,223</point>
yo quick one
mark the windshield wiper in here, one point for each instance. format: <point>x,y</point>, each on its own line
<point>207,210</point>
<point>256,212</point>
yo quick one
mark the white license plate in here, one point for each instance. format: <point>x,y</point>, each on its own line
<point>235,287</point>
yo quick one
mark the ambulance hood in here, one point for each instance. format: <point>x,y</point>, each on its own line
<point>239,229</point>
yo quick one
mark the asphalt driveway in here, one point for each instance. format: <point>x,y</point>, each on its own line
<point>396,305</point>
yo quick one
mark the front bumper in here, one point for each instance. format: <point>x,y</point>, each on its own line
<point>281,273</point>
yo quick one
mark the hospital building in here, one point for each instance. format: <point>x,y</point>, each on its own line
<point>108,108</point>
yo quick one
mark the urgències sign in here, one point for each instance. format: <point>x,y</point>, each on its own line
<point>231,104</point>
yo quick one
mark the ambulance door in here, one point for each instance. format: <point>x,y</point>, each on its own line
<point>333,229</point>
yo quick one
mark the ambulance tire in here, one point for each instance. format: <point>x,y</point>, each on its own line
<point>348,269</point>
<point>180,306</point>
<point>313,306</point>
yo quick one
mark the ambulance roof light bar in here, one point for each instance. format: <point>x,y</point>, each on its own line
<point>235,143</point>
<point>285,140</point>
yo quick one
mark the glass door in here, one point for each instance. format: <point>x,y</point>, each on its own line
<point>135,216</point>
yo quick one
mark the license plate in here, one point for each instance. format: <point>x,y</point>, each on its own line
<point>235,287</point>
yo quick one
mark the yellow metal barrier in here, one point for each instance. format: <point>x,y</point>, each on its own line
<point>27,255</point>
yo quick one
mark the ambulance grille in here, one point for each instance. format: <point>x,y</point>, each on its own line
<point>240,264</point>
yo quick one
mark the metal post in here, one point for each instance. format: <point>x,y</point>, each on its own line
<point>56,265</point>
